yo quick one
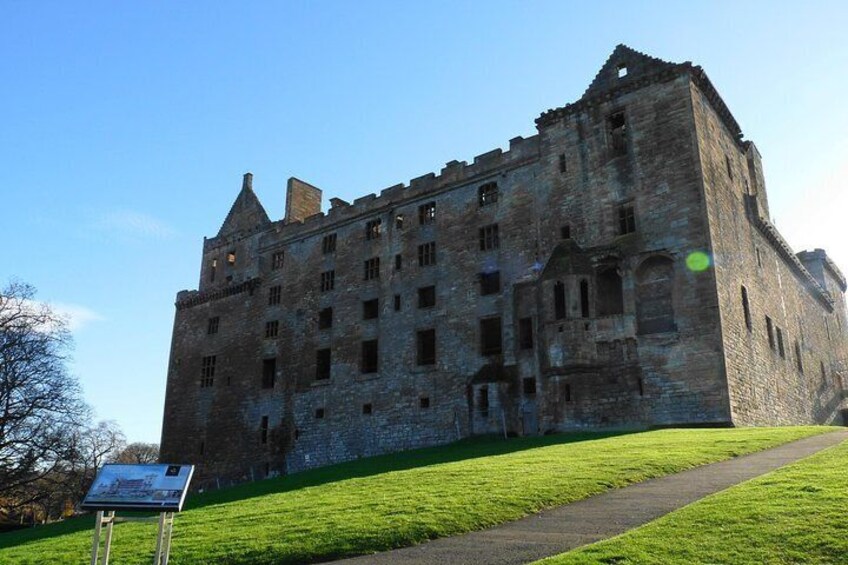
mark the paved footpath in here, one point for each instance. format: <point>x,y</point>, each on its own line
<point>599,517</point>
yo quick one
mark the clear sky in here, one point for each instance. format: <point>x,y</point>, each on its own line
<point>126,127</point>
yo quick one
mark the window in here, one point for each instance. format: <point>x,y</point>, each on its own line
<point>366,409</point>
<point>483,401</point>
<point>427,254</point>
<point>567,393</point>
<point>263,430</point>
<point>269,372</point>
<point>212,325</point>
<point>489,237</point>
<point>609,300</point>
<point>641,386</point>
<point>770,331</point>
<point>622,71</point>
<point>563,166</point>
<point>617,125</point>
<point>207,371</point>
<point>426,354</point>
<point>372,269</point>
<point>369,362</point>
<point>729,167</point>
<point>427,213</point>
<point>490,283</point>
<point>798,361</point>
<point>626,219</point>
<point>487,193</point>
<point>231,258</point>
<point>373,228</point>
<point>328,280</point>
<point>398,262</point>
<point>584,298</point>
<point>559,300</point>
<point>202,447</point>
<point>565,232</point>
<point>277,260</point>
<point>759,257</point>
<point>275,294</point>
<point>780,343</point>
<point>272,328</point>
<point>319,413</point>
<point>370,309</point>
<point>322,364</point>
<point>823,372</point>
<point>213,266</point>
<point>399,221</point>
<point>525,333</point>
<point>529,385</point>
<point>328,244</point>
<point>427,297</point>
<point>325,318</point>
<point>490,336</point>
<point>397,302</point>
<point>424,402</point>
<point>746,308</point>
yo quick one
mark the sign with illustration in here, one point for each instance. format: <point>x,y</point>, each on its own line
<point>139,487</point>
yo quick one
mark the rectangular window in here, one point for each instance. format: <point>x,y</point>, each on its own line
<point>427,213</point>
<point>565,232</point>
<point>399,221</point>
<point>263,430</point>
<point>626,219</point>
<point>370,309</point>
<point>798,361</point>
<point>780,349</point>
<point>770,332</point>
<point>277,260</point>
<point>490,283</point>
<point>373,228</point>
<point>231,258</point>
<point>426,354</point>
<point>489,238</point>
<point>529,385</point>
<point>372,269</point>
<point>483,401</point>
<point>367,409</point>
<point>490,336</point>
<point>487,193</point>
<point>272,328</point>
<point>525,333</point>
<point>729,167</point>
<point>746,308</point>
<point>397,302</point>
<point>398,262</point>
<point>563,166</point>
<point>369,362</point>
<point>424,402</point>
<point>275,294</point>
<point>269,372</point>
<point>319,413</point>
<point>212,325</point>
<point>427,297</point>
<point>559,301</point>
<point>322,364</point>
<point>427,254</point>
<point>207,371</point>
<point>325,318</point>
<point>213,266</point>
<point>328,244</point>
<point>328,280</point>
<point>617,126</point>
<point>567,393</point>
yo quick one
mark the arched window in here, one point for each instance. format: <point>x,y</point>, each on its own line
<point>584,298</point>
<point>654,287</point>
<point>608,296</point>
<point>559,300</point>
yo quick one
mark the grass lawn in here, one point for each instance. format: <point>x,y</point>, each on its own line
<point>391,501</point>
<point>797,514</point>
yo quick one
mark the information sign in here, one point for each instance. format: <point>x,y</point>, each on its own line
<point>159,488</point>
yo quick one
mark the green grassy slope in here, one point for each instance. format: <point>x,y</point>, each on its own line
<point>385,502</point>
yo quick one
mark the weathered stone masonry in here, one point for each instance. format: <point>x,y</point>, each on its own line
<point>548,287</point>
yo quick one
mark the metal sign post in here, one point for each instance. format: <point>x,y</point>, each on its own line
<point>163,540</point>
<point>107,519</point>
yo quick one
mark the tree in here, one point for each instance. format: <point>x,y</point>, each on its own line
<point>139,452</point>
<point>91,448</point>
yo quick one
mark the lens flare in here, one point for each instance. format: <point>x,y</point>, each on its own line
<point>698,261</point>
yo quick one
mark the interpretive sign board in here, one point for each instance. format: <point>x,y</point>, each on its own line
<point>154,488</point>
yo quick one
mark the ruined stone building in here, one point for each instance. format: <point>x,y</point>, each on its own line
<point>617,269</point>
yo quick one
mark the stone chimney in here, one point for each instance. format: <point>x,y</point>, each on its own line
<point>302,200</point>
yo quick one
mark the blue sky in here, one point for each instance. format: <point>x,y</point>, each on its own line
<point>126,128</point>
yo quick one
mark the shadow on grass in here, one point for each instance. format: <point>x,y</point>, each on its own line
<point>469,448</point>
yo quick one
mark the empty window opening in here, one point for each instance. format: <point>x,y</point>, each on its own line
<point>798,361</point>
<point>609,300</point>
<point>207,371</point>
<point>399,221</point>
<point>369,362</point>
<point>366,409</point>
<point>626,219</point>
<point>372,269</point>
<point>617,125</point>
<point>426,353</point>
<point>397,302</point>
<point>823,372</point>
<point>565,232</point>
<point>483,401</point>
<point>759,257</point>
<point>213,266</point>
<point>427,213</point>
<point>319,413</point>
<point>277,260</point>
<point>563,166</point>
<point>398,262</point>
<point>427,254</point>
<point>487,193</point>
<point>212,325</point>
<point>231,258</point>
<point>654,296</point>
<point>770,332</point>
<point>746,308</point>
<point>490,283</point>
<point>525,333</point>
<point>490,336</point>
<point>780,349</point>
<point>427,297</point>
<point>275,294</point>
<point>729,167</point>
<point>489,238</point>
<point>641,385</point>
<point>323,364</point>
<point>202,447</point>
<point>325,318</point>
<point>424,402</point>
<point>267,469</point>
<point>584,298</point>
<point>567,392</point>
<point>272,328</point>
<point>269,372</point>
<point>370,309</point>
<point>373,228</point>
<point>529,385</point>
<point>263,430</point>
<point>622,71</point>
<point>328,244</point>
<point>559,300</point>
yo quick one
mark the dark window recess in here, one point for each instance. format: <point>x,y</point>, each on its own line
<point>617,125</point>
<point>373,228</point>
<point>529,385</point>
<point>370,309</point>
<point>746,308</point>
<point>207,371</point>
<point>427,254</point>
<point>202,447</point>
<point>641,386</point>
<point>272,328</point>
<point>323,363</point>
<point>325,318</point>
<point>770,332</point>
<point>483,401</point>
<point>275,294</point>
<point>426,354</point>
<point>370,361</point>
<point>609,300</point>
<point>654,290</point>
<point>798,361</point>
<point>399,221</point>
<point>231,258</point>
<point>398,262</point>
<point>269,372</point>
<point>328,244</point>
<point>366,409</point>
<point>780,349</point>
<point>372,269</point>
<point>212,325</point>
<point>263,430</point>
<point>563,166</point>
<point>427,297</point>
<point>584,298</point>
<point>567,393</point>
<point>626,219</point>
<point>424,402</point>
<point>759,257</point>
<point>729,167</point>
<point>565,232</point>
<point>277,260</point>
<point>397,302</point>
<point>490,336</point>
<point>489,238</point>
<point>559,300</point>
<point>427,213</point>
<point>487,193</point>
<point>525,333</point>
<point>823,372</point>
<point>213,266</point>
<point>490,283</point>
<point>319,413</point>
<point>328,280</point>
